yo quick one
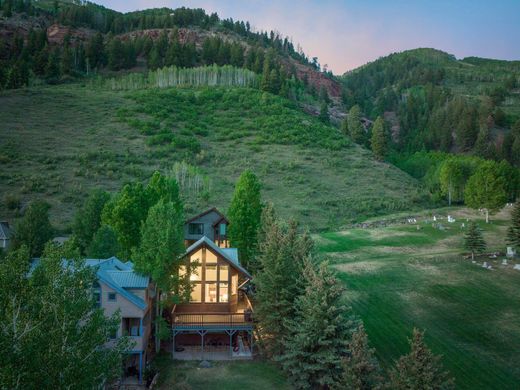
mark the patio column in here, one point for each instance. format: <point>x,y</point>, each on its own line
<point>140,367</point>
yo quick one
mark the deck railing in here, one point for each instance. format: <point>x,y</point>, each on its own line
<point>209,320</point>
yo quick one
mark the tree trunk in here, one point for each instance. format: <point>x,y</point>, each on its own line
<point>472,255</point>
<point>449,197</point>
<point>487,216</point>
<point>157,323</point>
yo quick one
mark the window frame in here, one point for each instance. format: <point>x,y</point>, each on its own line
<point>111,299</point>
<point>193,231</point>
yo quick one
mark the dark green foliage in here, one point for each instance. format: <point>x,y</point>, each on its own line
<point>355,128</point>
<point>379,140</point>
<point>244,217</point>
<point>34,229</point>
<point>278,279</point>
<point>162,244</point>
<point>319,333</point>
<point>486,188</point>
<point>50,324</point>
<point>361,370</point>
<point>88,218</point>
<point>104,244</point>
<point>125,213</point>
<point>420,369</point>
<point>473,240</point>
<point>513,232</point>
<point>324,113</point>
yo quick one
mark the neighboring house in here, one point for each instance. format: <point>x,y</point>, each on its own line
<point>119,288</point>
<point>5,235</point>
<point>217,322</point>
<point>211,224</point>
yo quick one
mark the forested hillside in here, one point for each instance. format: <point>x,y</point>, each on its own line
<point>433,101</point>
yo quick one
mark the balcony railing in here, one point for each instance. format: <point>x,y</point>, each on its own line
<point>212,321</point>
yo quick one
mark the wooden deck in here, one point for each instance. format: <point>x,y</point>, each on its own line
<point>212,321</point>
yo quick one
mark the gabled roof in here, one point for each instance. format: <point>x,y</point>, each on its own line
<point>5,231</point>
<point>213,209</point>
<point>229,254</point>
<point>129,279</point>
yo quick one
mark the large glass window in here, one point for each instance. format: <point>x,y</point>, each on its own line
<point>196,293</point>
<point>211,293</point>
<point>210,257</point>
<point>223,273</point>
<point>196,228</point>
<point>234,284</point>
<point>223,292</point>
<point>211,273</point>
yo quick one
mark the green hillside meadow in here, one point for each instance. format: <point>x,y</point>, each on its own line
<point>78,137</point>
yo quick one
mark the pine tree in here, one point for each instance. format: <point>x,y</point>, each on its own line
<point>379,141</point>
<point>278,279</point>
<point>473,240</point>
<point>266,73</point>
<point>513,232</point>
<point>324,113</point>
<point>244,216</point>
<point>484,145</point>
<point>355,128</point>
<point>319,333</point>
<point>361,370</point>
<point>52,69</point>
<point>420,369</point>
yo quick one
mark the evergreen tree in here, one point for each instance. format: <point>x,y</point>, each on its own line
<point>361,370</point>
<point>379,141</point>
<point>88,218</point>
<point>34,229</point>
<point>324,113</point>
<point>244,217</point>
<point>319,333</point>
<point>420,369</point>
<point>52,69</point>
<point>473,240</point>
<point>116,54</point>
<point>513,232</point>
<point>278,279</point>
<point>484,146</point>
<point>266,73</point>
<point>486,189</point>
<point>104,244</point>
<point>355,128</point>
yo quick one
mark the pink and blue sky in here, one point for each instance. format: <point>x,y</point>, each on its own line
<point>345,34</point>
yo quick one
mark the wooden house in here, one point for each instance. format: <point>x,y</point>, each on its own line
<point>217,322</point>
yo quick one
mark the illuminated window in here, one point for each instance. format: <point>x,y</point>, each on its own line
<point>211,293</point>
<point>210,257</point>
<point>223,273</point>
<point>182,271</point>
<point>196,257</point>
<point>234,284</point>
<point>196,274</point>
<point>211,273</point>
<point>223,294</point>
<point>196,293</point>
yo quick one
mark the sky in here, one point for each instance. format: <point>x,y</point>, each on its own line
<point>345,34</point>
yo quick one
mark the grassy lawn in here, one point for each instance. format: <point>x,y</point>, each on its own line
<point>59,142</point>
<point>399,277</point>
<point>235,375</point>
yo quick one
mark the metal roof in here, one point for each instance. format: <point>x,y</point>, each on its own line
<point>229,254</point>
<point>128,279</point>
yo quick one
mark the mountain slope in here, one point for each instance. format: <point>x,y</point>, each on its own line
<point>59,142</point>
<point>437,102</point>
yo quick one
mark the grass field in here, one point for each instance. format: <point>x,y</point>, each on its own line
<point>59,142</point>
<point>399,277</point>
<point>238,375</point>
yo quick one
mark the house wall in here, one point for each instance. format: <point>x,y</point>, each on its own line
<point>127,310</point>
<point>208,220</point>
